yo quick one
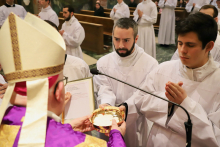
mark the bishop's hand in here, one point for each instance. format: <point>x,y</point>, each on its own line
<point>3,88</point>
<point>82,124</point>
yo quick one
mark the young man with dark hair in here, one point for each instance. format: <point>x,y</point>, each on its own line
<point>215,52</point>
<point>73,33</point>
<point>128,63</point>
<point>192,82</point>
<point>9,7</point>
<point>47,13</point>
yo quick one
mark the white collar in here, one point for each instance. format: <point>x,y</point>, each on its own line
<point>122,3</point>
<point>145,2</point>
<point>72,19</point>
<point>198,74</point>
<point>131,59</point>
<point>46,9</point>
<point>53,116</point>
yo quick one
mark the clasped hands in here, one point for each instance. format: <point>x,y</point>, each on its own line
<point>174,92</point>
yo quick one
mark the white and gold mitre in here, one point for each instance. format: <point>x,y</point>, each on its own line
<point>30,50</point>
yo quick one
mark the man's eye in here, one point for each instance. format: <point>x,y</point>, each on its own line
<point>126,40</point>
<point>191,45</point>
<point>116,39</point>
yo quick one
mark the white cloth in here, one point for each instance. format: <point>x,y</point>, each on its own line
<point>213,3</point>
<point>75,68</point>
<point>2,81</point>
<point>49,14</point>
<point>199,4</point>
<point>73,36</point>
<point>215,52</point>
<point>167,22</point>
<point>133,70</point>
<point>122,11</point>
<point>202,103</point>
<point>146,34</point>
<point>5,11</point>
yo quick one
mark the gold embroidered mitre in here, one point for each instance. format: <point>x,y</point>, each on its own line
<point>30,50</point>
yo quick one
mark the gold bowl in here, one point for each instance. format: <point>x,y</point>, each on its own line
<point>114,111</point>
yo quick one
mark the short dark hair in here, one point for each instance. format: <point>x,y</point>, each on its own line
<point>52,24</point>
<point>215,14</point>
<point>203,25</point>
<point>48,0</point>
<point>126,23</point>
<point>70,8</point>
<point>98,4</point>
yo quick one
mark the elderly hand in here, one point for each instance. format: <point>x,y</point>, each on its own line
<point>175,92</point>
<point>82,124</point>
<point>194,4</point>
<point>122,128</point>
<point>3,88</point>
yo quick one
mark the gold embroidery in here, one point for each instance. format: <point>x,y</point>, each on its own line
<point>22,119</point>
<point>8,134</point>
<point>25,74</point>
<point>14,42</point>
<point>91,141</point>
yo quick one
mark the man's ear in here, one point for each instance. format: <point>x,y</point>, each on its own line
<point>71,13</point>
<point>136,39</point>
<point>216,19</point>
<point>209,46</point>
<point>59,90</point>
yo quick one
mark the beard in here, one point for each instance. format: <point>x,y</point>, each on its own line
<point>68,18</point>
<point>127,53</point>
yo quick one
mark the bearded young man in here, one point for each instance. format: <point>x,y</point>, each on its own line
<point>128,63</point>
<point>72,32</point>
<point>47,13</point>
<point>192,82</point>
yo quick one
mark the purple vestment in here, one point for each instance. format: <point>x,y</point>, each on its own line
<point>58,135</point>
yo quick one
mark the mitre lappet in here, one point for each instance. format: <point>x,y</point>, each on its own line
<point>30,50</point>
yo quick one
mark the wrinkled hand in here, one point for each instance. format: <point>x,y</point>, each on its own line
<point>61,32</point>
<point>140,13</point>
<point>3,88</point>
<point>114,10</point>
<point>175,92</point>
<point>122,128</point>
<point>82,124</point>
<point>102,106</point>
<point>194,4</point>
<point>67,97</point>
